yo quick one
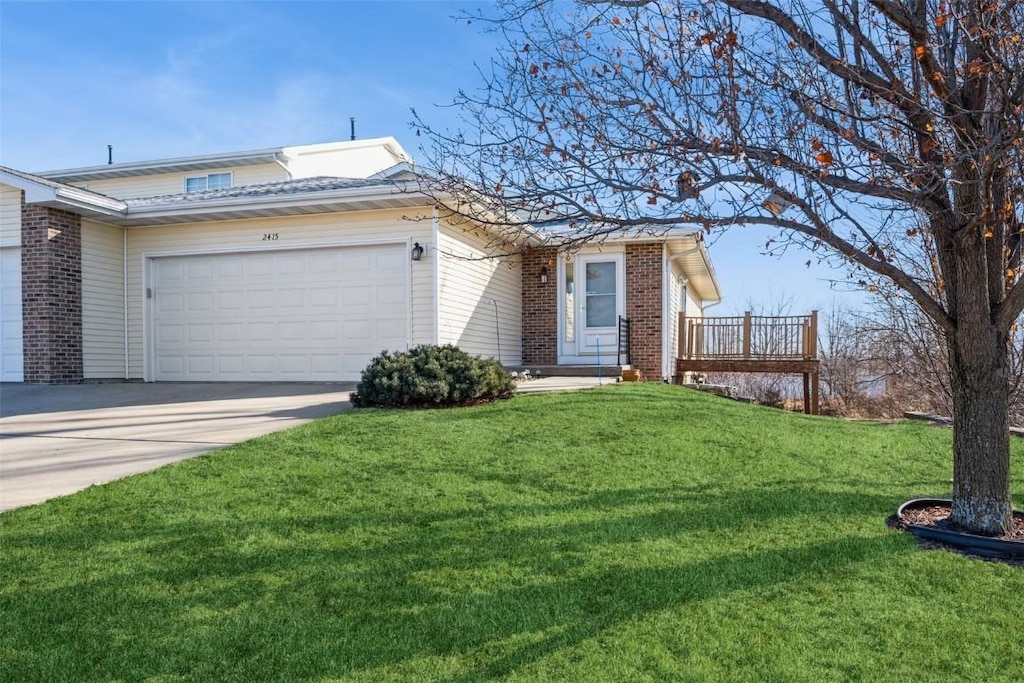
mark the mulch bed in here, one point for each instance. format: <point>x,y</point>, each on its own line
<point>938,515</point>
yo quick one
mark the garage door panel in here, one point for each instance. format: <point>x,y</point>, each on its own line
<point>390,294</point>
<point>168,334</point>
<point>231,366</point>
<point>231,332</point>
<point>200,302</point>
<point>293,331</point>
<point>292,298</point>
<point>296,315</point>
<point>201,270</point>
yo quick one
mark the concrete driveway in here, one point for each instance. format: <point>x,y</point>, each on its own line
<point>55,440</point>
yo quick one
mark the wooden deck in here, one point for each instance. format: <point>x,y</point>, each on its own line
<point>751,343</point>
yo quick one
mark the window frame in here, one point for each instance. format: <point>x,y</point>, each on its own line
<point>206,181</point>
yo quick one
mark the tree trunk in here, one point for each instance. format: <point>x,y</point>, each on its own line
<point>979,367</point>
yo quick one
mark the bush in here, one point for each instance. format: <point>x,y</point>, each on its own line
<point>430,376</point>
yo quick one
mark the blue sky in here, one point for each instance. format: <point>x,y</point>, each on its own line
<point>167,79</point>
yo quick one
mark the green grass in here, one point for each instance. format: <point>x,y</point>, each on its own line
<point>634,533</point>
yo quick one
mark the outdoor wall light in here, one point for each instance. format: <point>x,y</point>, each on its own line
<point>417,251</point>
<point>543,275</point>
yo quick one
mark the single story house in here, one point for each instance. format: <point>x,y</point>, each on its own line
<point>301,264</point>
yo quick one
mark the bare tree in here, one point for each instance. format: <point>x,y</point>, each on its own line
<point>855,128</point>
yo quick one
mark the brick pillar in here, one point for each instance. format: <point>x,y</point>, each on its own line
<point>540,307</point>
<point>51,294</point>
<point>644,289</point>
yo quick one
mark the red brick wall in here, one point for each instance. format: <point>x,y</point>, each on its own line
<point>644,288</point>
<point>51,294</point>
<point>540,307</point>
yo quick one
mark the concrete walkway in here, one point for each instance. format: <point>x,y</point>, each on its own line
<point>55,440</point>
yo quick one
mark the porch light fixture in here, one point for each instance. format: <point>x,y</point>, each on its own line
<point>543,275</point>
<point>417,251</point>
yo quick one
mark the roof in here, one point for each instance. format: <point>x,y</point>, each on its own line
<point>275,189</point>
<point>178,164</point>
<point>215,161</point>
<point>684,245</point>
<point>39,190</point>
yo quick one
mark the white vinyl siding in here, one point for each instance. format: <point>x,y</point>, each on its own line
<point>480,299</point>
<point>174,183</point>
<point>676,304</point>
<point>102,301</point>
<point>351,159</point>
<point>294,232</point>
<point>10,216</point>
<point>693,304</point>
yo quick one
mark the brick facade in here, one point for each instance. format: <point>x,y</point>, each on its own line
<point>51,294</point>
<point>540,307</point>
<point>644,288</point>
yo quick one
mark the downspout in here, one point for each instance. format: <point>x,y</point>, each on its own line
<point>124,299</point>
<point>435,263</point>
<point>277,161</point>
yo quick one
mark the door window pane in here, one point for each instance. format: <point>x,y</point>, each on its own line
<point>601,278</point>
<point>570,304</point>
<point>602,306</point>
<point>601,310</point>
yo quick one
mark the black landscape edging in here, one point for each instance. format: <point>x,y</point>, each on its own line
<point>982,546</point>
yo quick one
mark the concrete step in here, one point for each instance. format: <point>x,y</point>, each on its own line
<point>609,371</point>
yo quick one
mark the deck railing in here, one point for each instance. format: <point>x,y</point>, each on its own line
<point>749,337</point>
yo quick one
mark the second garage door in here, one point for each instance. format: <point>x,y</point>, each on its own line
<point>11,356</point>
<point>302,315</point>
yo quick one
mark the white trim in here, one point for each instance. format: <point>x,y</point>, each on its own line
<point>666,314</point>
<point>124,299</point>
<point>579,297</point>
<point>436,266</point>
<point>569,353</point>
<point>148,360</point>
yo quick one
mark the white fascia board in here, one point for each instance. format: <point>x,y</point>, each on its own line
<point>161,165</point>
<point>90,200</point>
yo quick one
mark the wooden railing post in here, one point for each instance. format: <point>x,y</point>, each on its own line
<point>681,341</point>
<point>746,335</point>
<point>812,337</point>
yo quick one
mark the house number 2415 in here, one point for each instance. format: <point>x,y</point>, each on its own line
<point>270,236</point>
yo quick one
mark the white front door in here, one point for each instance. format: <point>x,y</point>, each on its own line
<point>599,303</point>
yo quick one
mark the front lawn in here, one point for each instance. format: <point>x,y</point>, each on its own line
<point>640,532</point>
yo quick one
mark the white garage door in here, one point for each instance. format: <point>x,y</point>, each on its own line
<point>309,315</point>
<point>11,350</point>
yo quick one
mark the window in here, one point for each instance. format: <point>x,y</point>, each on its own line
<point>214,181</point>
<point>601,301</point>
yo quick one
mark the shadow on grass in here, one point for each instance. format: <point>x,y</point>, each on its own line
<point>357,590</point>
